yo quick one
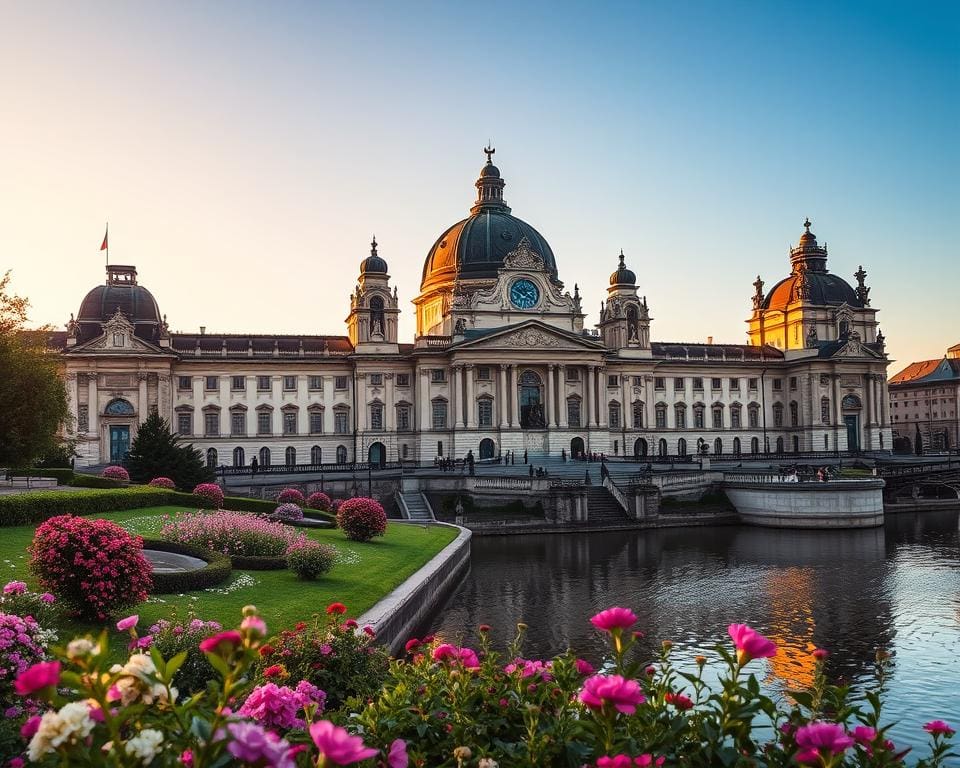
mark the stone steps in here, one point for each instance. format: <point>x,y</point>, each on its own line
<point>603,508</point>
<point>417,507</point>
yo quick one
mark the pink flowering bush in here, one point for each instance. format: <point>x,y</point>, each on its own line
<point>278,706</point>
<point>289,512</point>
<point>22,644</point>
<point>232,533</point>
<point>209,495</point>
<point>319,500</point>
<point>163,482</point>
<point>291,496</point>
<point>361,518</point>
<point>20,600</point>
<point>94,566</point>
<point>172,638</point>
<point>310,559</point>
<point>114,472</point>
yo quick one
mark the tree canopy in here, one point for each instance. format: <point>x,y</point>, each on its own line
<point>157,452</point>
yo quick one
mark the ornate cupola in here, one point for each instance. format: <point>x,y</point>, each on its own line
<point>374,308</point>
<point>490,188</point>
<point>808,255</point>
<point>625,318</point>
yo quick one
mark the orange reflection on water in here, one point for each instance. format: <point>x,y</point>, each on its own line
<point>790,593</point>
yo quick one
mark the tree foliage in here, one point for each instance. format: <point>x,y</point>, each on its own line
<point>157,452</point>
<point>33,398</point>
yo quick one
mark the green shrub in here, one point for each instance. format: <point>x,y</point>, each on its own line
<point>35,507</point>
<point>217,570</point>
<point>258,562</point>
<point>62,475</point>
<point>316,514</point>
<point>92,481</point>
<point>312,560</point>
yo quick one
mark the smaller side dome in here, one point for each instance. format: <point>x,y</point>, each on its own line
<point>623,276</point>
<point>373,263</point>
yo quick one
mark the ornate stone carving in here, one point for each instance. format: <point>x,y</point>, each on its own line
<point>530,337</point>
<point>757,293</point>
<point>523,257</point>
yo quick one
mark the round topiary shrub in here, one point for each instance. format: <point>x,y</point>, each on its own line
<point>94,566</point>
<point>311,559</point>
<point>287,513</point>
<point>361,518</point>
<point>210,495</point>
<point>113,472</point>
<point>163,482</point>
<point>291,496</point>
<point>319,500</point>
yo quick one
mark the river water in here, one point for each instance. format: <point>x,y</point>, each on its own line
<point>851,592</point>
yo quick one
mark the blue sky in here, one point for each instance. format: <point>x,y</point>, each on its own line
<point>244,153</point>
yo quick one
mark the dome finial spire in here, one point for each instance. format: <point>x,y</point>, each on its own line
<point>806,223</point>
<point>373,246</point>
<point>621,257</point>
<point>489,151</point>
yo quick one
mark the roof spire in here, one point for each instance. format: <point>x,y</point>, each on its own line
<point>806,223</point>
<point>489,187</point>
<point>373,246</point>
<point>490,152</point>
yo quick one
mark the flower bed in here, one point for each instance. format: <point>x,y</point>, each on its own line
<point>291,496</point>
<point>209,495</point>
<point>163,482</point>
<point>217,570</point>
<point>114,472</point>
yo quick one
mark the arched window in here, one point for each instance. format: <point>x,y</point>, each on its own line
<point>485,411</point>
<point>377,325</point>
<point>637,414</point>
<point>264,457</point>
<point>736,446</point>
<point>779,445</point>
<point>290,456</point>
<point>825,410</point>
<point>660,413</point>
<point>794,414</point>
<point>640,447</point>
<point>753,415</point>
<point>796,443</point>
<point>778,414</point>
<point>681,447</point>
<point>662,447</point>
<point>439,413</point>
<point>698,410</point>
<point>717,416</point>
<point>573,411</point>
<point>211,457</point>
<point>851,403</point>
<point>754,445</point>
<point>239,459</point>
<point>735,417</point>
<point>680,414</point>
<point>614,414</point>
<point>717,447</point>
<point>376,416</point>
<point>119,407</point>
<point>316,455</point>
<point>341,454</point>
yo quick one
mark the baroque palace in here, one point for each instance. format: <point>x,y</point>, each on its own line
<point>501,362</point>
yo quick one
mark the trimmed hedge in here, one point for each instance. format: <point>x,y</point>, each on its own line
<point>217,570</point>
<point>244,504</point>
<point>316,514</point>
<point>92,481</point>
<point>261,563</point>
<point>63,476</point>
<point>37,506</point>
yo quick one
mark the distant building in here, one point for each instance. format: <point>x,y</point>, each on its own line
<point>501,362</point>
<point>925,397</point>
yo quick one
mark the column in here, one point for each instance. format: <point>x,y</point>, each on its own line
<point>303,402</point>
<point>550,415</point>
<point>73,396</point>
<point>224,396</point>
<point>512,398</point>
<point>198,384</point>
<point>360,382</point>
<point>250,400</point>
<point>143,410</point>
<point>456,398</point>
<point>276,415</point>
<point>601,397</point>
<point>471,402</point>
<point>389,407</point>
<point>591,403</point>
<point>423,399</point>
<point>837,413</point>
<point>502,398</point>
<point>561,399</point>
<point>93,408</point>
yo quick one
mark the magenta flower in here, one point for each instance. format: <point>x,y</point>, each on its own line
<point>584,668</point>
<point>44,674</point>
<point>338,746</point>
<point>30,727</point>
<point>863,734</point>
<point>820,653</point>
<point>750,643</point>
<point>816,738</point>
<point>617,761</point>
<point>46,597</point>
<point>128,623</point>
<point>221,642</point>
<point>254,625</point>
<point>15,588</point>
<point>397,756</point>
<point>622,694</point>
<point>939,728</point>
<point>466,656</point>
<point>613,619</point>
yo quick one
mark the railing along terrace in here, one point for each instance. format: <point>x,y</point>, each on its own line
<point>504,483</point>
<point>285,469</point>
<point>616,493</point>
<point>559,483</point>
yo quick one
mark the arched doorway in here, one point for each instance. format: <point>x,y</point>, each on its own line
<point>531,404</point>
<point>779,445</point>
<point>290,456</point>
<point>754,445</point>
<point>681,447</point>
<point>377,455</point>
<point>487,448</point>
<point>211,457</point>
<point>662,448</point>
<point>717,447</point>
<point>341,454</point>
<point>796,444</point>
<point>576,447</point>
<point>239,460</point>
<point>316,455</point>
<point>640,448</point>
<point>851,407</point>
<point>736,446</point>
<point>264,457</point>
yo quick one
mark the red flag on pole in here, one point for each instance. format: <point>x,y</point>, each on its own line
<point>103,245</point>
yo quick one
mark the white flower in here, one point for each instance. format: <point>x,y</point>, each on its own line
<point>145,745</point>
<point>487,762</point>
<point>141,666</point>
<point>82,647</point>
<point>56,728</point>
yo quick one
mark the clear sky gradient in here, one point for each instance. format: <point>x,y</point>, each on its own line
<point>244,153</point>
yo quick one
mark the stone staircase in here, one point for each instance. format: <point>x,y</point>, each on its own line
<point>418,507</point>
<point>603,508</point>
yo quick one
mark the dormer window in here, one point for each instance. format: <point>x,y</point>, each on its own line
<point>118,339</point>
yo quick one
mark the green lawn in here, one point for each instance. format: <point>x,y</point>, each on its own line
<point>364,573</point>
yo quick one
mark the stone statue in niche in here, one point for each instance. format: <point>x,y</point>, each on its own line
<point>377,328</point>
<point>460,326</point>
<point>812,337</point>
<point>758,293</point>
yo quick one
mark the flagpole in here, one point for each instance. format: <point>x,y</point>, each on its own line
<point>107,238</point>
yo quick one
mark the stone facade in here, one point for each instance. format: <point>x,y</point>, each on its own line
<point>925,399</point>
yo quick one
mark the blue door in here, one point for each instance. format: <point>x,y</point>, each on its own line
<point>119,444</point>
<point>853,433</point>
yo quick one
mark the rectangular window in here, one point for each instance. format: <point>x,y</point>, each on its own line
<point>485,412</point>
<point>376,416</point>
<point>439,414</point>
<point>573,374</point>
<point>263,423</point>
<point>717,418</point>
<point>238,383</point>
<point>698,383</point>
<point>184,423</point>
<point>211,424</point>
<point>637,416</point>
<point>289,383</point>
<point>752,384</point>
<point>376,379</point>
<point>438,375</point>
<point>681,416</point>
<point>483,373</point>
<point>793,382</point>
<point>403,379</point>
<point>777,384</point>
<point>778,417</point>
<point>698,417</point>
<point>614,416</point>
<point>613,380</point>
<point>315,383</point>
<point>734,385</point>
<point>316,422</point>
<point>212,382</point>
<point>263,383</point>
<point>341,422</point>
<point>439,447</point>
<point>573,412</point>
<point>661,418</point>
<point>716,383</point>
<point>289,422</point>
<point>754,418</point>
<point>735,418</point>
<point>678,384</point>
<point>659,382</point>
<point>403,418</point>
<point>184,382</point>
<point>340,382</point>
<point>83,418</point>
<point>238,423</point>
<point>638,381</point>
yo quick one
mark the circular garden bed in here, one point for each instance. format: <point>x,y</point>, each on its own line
<point>213,567</point>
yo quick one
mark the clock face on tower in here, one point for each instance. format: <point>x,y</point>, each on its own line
<point>524,294</point>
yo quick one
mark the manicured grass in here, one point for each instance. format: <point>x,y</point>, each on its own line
<point>364,573</point>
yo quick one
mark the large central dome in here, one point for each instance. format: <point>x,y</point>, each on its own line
<point>474,248</point>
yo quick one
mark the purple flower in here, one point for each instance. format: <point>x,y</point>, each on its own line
<point>397,756</point>
<point>817,737</point>
<point>252,744</point>
<point>15,588</point>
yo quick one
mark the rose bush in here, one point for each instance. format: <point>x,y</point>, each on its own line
<point>173,638</point>
<point>163,482</point>
<point>209,495</point>
<point>232,533</point>
<point>94,566</point>
<point>361,518</point>
<point>291,496</point>
<point>289,512</point>
<point>311,559</point>
<point>319,500</point>
<point>114,472</point>
<point>18,599</point>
